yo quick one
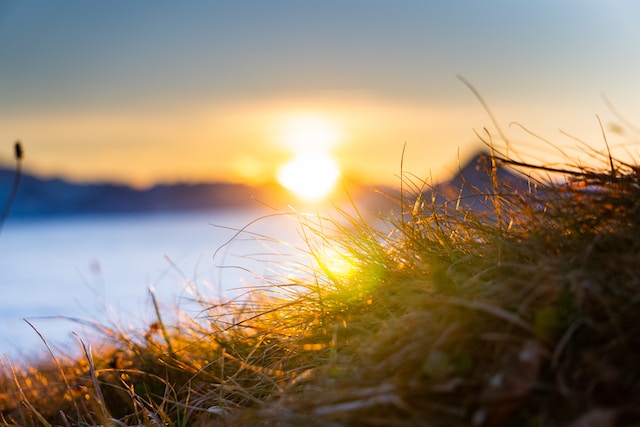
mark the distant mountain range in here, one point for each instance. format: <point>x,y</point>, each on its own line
<point>39,196</point>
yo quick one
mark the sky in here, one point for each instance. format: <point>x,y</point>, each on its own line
<point>162,91</point>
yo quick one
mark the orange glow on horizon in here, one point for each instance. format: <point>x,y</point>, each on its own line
<point>246,141</point>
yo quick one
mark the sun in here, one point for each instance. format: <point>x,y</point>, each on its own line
<point>310,175</point>
<point>312,172</point>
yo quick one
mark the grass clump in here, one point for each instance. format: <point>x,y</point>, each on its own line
<point>523,313</point>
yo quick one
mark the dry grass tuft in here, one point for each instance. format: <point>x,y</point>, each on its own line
<point>521,313</point>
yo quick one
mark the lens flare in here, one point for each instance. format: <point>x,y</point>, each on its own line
<point>336,262</point>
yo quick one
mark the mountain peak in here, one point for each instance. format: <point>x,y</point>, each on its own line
<point>475,180</point>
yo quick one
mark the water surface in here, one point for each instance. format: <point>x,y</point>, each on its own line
<point>101,268</point>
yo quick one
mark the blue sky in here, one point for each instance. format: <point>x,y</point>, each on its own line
<point>143,91</point>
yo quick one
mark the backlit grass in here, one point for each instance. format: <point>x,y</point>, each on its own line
<point>523,313</point>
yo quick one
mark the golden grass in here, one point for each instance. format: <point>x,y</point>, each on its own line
<point>523,314</point>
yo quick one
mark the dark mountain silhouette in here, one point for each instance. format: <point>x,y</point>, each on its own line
<point>40,196</point>
<point>469,187</point>
<point>474,185</point>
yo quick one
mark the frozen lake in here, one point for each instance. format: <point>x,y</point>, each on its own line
<point>100,269</point>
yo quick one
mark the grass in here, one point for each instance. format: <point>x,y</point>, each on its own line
<point>525,313</point>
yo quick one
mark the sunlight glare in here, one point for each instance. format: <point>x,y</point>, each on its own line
<point>310,175</point>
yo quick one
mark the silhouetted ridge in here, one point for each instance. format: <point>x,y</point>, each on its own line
<point>38,196</point>
<point>469,187</point>
<point>474,184</point>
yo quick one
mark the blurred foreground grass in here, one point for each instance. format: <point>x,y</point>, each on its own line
<point>522,313</point>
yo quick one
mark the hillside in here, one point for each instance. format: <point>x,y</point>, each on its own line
<point>523,313</point>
